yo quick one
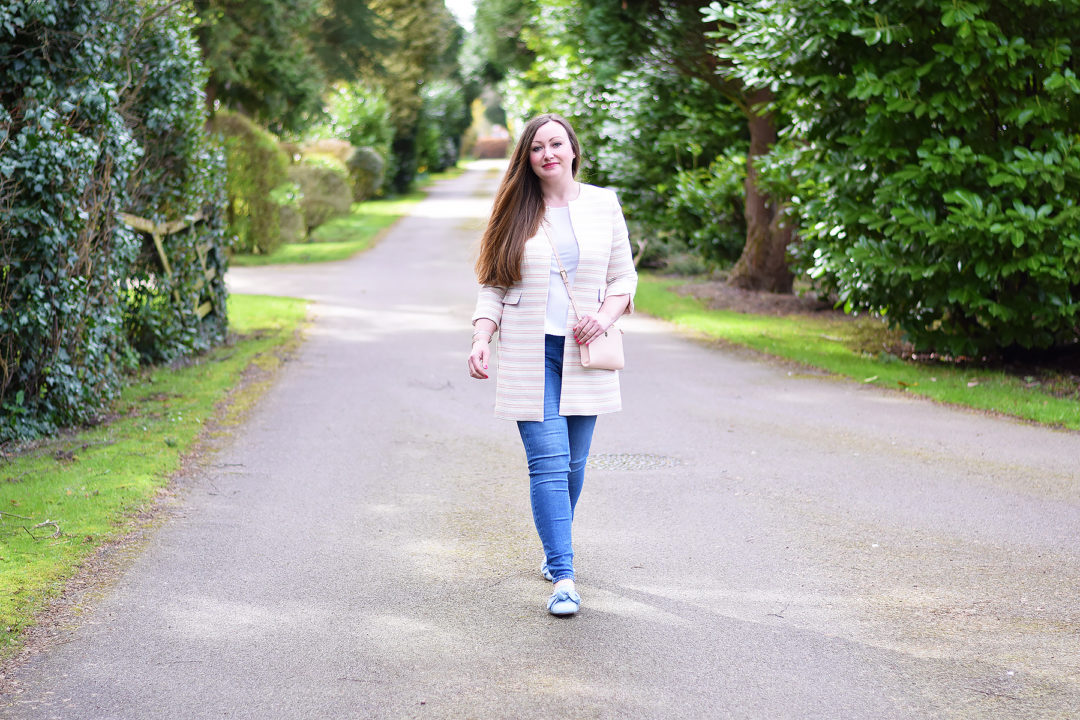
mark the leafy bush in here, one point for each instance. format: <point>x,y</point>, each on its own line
<point>256,166</point>
<point>290,213</point>
<point>360,115</point>
<point>934,161</point>
<point>95,119</point>
<point>366,172</point>
<point>338,149</point>
<point>709,204</point>
<point>324,187</point>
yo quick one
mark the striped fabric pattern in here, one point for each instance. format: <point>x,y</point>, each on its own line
<point>605,267</point>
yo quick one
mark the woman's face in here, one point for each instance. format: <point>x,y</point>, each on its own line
<point>551,155</point>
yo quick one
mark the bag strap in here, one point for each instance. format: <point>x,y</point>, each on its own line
<point>562,270</point>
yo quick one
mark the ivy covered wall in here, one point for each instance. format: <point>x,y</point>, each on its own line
<point>101,113</point>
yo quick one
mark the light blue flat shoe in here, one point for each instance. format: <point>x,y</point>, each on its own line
<point>545,572</point>
<point>564,602</point>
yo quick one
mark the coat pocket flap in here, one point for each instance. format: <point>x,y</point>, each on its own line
<point>512,296</point>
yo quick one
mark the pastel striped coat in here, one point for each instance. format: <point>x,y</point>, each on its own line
<point>605,267</point>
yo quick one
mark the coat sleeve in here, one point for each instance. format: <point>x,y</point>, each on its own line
<point>621,274</point>
<point>489,304</point>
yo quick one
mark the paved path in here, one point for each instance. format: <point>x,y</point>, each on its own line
<point>752,543</point>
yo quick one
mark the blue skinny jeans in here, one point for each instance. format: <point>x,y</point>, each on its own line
<point>556,449</point>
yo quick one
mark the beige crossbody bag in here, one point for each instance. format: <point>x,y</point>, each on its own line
<point>605,352</point>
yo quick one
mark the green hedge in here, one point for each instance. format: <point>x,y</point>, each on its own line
<point>324,188</point>
<point>95,120</point>
<point>366,172</point>
<point>257,168</point>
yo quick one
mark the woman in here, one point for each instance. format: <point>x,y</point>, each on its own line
<point>541,383</point>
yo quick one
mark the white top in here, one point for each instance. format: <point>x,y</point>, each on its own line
<point>562,236</point>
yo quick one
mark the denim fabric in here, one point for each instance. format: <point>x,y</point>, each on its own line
<point>556,449</point>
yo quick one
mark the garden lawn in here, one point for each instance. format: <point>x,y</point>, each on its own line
<point>90,484</point>
<point>838,346</point>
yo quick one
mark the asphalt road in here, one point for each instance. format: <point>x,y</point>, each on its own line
<point>752,542</point>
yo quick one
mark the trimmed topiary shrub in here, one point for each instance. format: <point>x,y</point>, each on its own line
<point>364,166</point>
<point>290,213</point>
<point>366,172</point>
<point>256,166</point>
<point>324,187</point>
<point>335,148</point>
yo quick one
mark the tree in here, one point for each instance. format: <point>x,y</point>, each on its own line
<point>261,61</point>
<point>500,29</point>
<point>273,60</point>
<point>933,159</point>
<point>654,100</point>
<point>347,38</point>
<point>677,33</point>
<point>763,263</point>
<point>425,40</point>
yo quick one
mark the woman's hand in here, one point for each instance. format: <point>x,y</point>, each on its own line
<point>593,325</point>
<point>590,327</point>
<point>478,358</point>
<point>484,329</point>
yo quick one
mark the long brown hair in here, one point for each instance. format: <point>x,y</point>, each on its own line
<point>518,209</point>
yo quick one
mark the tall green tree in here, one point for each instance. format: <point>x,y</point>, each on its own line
<point>658,121</point>
<point>693,106</point>
<point>933,159</point>
<point>274,59</point>
<point>425,41</point>
<point>673,36</point>
<point>500,33</point>
<point>261,60</point>
<point>347,37</point>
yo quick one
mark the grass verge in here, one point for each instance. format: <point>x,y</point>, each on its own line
<point>839,345</point>
<point>343,237</point>
<point>68,496</point>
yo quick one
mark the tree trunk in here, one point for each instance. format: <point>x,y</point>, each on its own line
<point>211,96</point>
<point>763,263</point>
